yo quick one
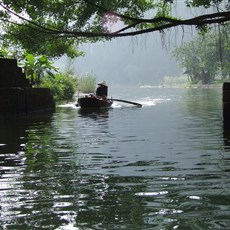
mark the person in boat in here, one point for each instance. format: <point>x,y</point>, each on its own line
<point>102,90</point>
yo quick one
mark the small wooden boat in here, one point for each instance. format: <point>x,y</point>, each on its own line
<point>88,102</point>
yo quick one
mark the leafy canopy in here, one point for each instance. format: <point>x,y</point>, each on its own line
<point>57,27</point>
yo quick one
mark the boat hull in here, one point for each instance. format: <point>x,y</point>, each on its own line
<point>93,102</point>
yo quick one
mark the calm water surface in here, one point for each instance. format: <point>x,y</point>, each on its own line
<point>162,166</point>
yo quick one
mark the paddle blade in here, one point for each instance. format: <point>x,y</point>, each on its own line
<point>129,102</point>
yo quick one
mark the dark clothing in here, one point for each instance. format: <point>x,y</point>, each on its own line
<point>102,91</point>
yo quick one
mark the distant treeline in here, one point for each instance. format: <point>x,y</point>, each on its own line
<point>206,59</point>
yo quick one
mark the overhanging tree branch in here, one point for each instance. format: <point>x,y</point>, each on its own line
<point>152,25</point>
<point>168,23</point>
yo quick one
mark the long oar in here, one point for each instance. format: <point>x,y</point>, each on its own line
<point>129,102</point>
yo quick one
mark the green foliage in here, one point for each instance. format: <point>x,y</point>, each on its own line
<point>206,57</point>
<point>204,3</point>
<point>7,52</point>
<point>62,85</point>
<point>54,28</point>
<point>47,44</point>
<point>43,19</point>
<point>36,67</point>
<point>87,84</point>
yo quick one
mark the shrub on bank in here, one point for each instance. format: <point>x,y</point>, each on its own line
<point>63,86</point>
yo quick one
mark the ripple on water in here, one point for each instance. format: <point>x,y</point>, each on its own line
<point>164,166</point>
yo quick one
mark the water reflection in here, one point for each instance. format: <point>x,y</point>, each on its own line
<point>19,157</point>
<point>226,137</point>
<point>160,167</point>
<point>14,137</point>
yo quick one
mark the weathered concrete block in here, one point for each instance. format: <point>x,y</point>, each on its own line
<point>22,107</point>
<point>19,101</point>
<point>226,95</point>
<point>39,99</point>
<point>226,86</point>
<point>16,94</point>
<point>11,75</point>
<point>226,104</point>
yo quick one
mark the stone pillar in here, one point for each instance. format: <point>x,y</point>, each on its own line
<point>226,104</point>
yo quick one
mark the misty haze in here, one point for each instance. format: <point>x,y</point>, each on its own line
<point>143,59</point>
<point>128,61</point>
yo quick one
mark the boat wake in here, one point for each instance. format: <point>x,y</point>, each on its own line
<point>145,102</point>
<point>148,101</point>
<point>69,105</point>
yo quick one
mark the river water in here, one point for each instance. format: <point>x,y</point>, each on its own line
<point>162,166</point>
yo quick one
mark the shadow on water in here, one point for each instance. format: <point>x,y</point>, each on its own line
<point>14,129</point>
<point>23,143</point>
<point>94,113</point>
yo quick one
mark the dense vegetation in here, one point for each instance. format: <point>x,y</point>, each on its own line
<point>207,57</point>
<point>42,73</point>
<point>63,86</point>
